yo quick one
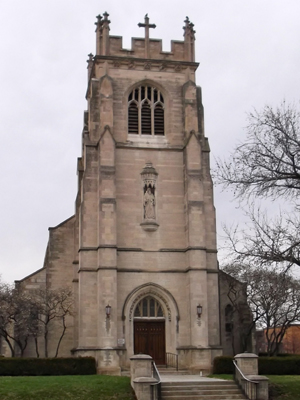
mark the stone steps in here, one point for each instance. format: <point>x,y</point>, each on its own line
<point>214,390</point>
<point>172,371</point>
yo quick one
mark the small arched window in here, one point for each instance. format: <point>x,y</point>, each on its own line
<point>228,318</point>
<point>148,307</point>
<point>146,113</point>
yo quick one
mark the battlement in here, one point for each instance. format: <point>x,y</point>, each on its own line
<point>145,47</point>
<point>138,48</point>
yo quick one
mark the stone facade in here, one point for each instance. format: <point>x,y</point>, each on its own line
<point>144,232</point>
<point>236,322</point>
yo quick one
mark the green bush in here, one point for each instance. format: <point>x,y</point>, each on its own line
<point>278,355</point>
<point>266,365</point>
<point>47,366</point>
<point>223,365</point>
<point>279,365</point>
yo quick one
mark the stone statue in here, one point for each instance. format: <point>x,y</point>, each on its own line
<point>149,204</point>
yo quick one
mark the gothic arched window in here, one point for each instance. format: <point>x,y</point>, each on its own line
<point>229,318</point>
<point>146,114</point>
<point>148,307</point>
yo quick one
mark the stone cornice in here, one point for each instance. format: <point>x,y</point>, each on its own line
<point>166,271</point>
<point>148,64</point>
<point>138,249</point>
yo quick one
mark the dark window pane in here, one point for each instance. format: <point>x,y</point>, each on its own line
<point>159,120</point>
<point>159,312</point>
<point>152,308</point>
<point>228,311</point>
<point>136,94</point>
<point>146,119</point>
<point>145,308</point>
<point>137,312</point>
<point>133,118</point>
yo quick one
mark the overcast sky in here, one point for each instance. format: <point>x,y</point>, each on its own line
<point>249,56</point>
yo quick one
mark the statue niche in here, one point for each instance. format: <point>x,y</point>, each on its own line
<point>149,176</point>
<point>149,202</point>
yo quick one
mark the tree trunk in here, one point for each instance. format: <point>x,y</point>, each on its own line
<point>46,341</point>
<point>61,336</point>
<point>36,347</point>
<point>12,350</point>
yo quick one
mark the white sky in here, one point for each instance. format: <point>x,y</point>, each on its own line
<point>248,53</point>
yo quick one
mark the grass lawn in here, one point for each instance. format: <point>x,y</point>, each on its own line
<point>285,387</point>
<point>282,387</point>
<point>81,387</point>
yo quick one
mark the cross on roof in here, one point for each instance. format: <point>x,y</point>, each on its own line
<point>146,25</point>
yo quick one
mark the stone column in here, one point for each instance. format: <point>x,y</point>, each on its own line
<point>141,376</point>
<point>248,364</point>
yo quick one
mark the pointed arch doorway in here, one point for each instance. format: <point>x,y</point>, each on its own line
<point>149,330</point>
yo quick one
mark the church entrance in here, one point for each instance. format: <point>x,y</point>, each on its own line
<point>149,338</point>
<point>149,330</point>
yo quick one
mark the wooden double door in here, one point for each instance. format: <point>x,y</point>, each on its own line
<point>149,338</point>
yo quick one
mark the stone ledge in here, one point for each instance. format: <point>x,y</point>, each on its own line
<point>149,226</point>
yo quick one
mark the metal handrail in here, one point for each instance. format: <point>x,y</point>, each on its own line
<point>156,387</point>
<point>249,387</point>
<point>172,360</point>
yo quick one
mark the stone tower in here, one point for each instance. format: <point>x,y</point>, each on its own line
<point>141,248</point>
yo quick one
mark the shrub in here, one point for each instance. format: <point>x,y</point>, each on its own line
<point>47,366</point>
<point>279,365</point>
<point>278,355</point>
<point>223,365</point>
<point>287,365</point>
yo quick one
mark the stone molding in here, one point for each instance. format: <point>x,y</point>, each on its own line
<point>155,290</point>
<point>147,64</point>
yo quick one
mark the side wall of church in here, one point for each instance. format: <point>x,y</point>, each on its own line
<point>57,273</point>
<point>235,317</point>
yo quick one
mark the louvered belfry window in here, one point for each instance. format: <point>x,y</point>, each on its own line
<point>146,114</point>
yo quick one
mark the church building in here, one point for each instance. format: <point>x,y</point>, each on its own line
<point>140,251</point>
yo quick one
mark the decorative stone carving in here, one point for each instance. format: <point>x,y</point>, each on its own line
<point>131,65</point>
<point>147,292</point>
<point>149,176</point>
<point>163,66</point>
<point>149,204</point>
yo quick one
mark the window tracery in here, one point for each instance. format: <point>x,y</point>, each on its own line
<point>148,307</point>
<point>146,114</point>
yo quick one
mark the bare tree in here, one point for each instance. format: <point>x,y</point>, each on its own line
<point>268,163</point>
<point>6,327</point>
<point>52,306</point>
<point>266,166</point>
<point>66,303</point>
<point>15,318</point>
<point>263,241</point>
<point>25,314</point>
<point>274,298</point>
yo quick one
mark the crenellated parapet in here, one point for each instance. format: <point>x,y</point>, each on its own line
<point>144,48</point>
